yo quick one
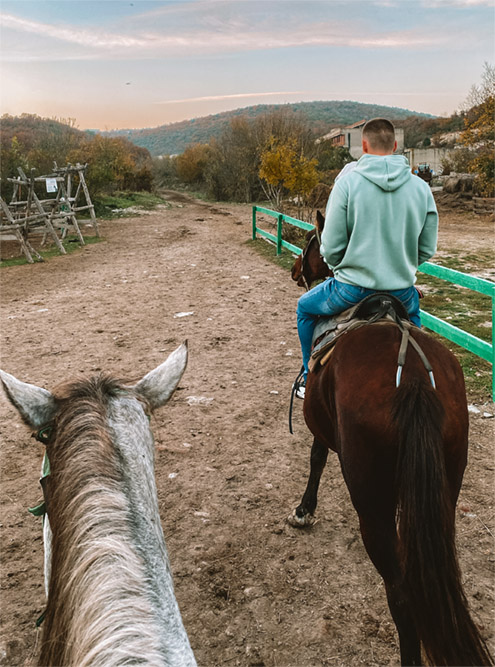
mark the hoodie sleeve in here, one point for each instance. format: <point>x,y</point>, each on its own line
<point>334,238</point>
<point>427,245</point>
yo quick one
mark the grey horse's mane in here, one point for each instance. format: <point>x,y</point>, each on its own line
<point>100,609</point>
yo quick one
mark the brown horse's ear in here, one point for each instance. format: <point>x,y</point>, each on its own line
<point>320,221</point>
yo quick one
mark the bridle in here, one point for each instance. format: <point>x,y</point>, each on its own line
<point>317,237</point>
<point>45,435</point>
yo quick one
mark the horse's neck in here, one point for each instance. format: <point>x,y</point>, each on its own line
<point>139,479</point>
<point>111,593</point>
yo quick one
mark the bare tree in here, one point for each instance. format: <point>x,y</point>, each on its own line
<point>479,93</point>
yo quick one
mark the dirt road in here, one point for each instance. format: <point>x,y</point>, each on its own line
<point>252,590</point>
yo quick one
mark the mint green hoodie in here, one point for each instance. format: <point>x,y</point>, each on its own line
<point>381,223</point>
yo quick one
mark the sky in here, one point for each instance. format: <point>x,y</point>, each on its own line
<point>139,63</point>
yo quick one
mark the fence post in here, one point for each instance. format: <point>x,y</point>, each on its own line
<point>279,234</point>
<point>254,223</point>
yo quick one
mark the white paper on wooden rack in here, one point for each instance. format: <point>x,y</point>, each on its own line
<point>51,185</point>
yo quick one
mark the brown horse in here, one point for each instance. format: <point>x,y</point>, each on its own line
<point>402,451</point>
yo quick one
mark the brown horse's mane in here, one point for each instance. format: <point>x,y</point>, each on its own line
<point>97,574</point>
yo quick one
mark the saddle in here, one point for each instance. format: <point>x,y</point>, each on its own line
<point>377,308</point>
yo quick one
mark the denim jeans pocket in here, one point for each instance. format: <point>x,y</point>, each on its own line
<point>350,294</point>
<point>409,297</point>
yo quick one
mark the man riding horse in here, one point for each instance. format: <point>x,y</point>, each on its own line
<point>381,223</point>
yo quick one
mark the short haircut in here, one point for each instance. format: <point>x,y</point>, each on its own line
<point>380,134</point>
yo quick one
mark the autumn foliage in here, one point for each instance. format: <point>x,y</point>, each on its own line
<point>192,162</point>
<point>273,156</point>
<point>31,142</point>
<point>479,135</point>
<point>277,155</point>
<point>286,170</point>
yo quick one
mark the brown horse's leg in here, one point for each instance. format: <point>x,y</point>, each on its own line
<point>380,541</point>
<point>304,513</point>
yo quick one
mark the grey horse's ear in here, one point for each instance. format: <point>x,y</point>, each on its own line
<point>159,384</point>
<point>36,406</point>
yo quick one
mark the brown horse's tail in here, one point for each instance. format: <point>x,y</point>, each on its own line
<point>426,525</point>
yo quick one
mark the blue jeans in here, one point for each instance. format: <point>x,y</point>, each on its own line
<point>331,297</point>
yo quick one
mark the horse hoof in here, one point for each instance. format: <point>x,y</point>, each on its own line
<point>301,521</point>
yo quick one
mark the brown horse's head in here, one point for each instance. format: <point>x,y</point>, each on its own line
<point>309,266</point>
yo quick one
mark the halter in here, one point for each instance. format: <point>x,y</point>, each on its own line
<point>317,237</point>
<point>44,435</point>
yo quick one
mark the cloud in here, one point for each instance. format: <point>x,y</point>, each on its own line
<point>156,35</point>
<point>211,98</point>
<point>148,44</point>
<point>90,38</point>
<point>468,4</point>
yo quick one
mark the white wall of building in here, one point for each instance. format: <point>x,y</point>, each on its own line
<point>430,155</point>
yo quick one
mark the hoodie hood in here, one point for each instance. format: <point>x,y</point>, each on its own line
<point>389,172</point>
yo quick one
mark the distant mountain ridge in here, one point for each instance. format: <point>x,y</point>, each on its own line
<point>321,116</point>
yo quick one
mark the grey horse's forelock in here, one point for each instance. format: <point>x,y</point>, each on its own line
<point>99,610</point>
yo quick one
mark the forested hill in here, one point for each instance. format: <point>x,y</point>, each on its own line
<point>321,116</point>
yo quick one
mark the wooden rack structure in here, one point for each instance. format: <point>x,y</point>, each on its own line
<point>26,213</point>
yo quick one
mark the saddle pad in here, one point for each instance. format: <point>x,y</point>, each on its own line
<point>327,325</point>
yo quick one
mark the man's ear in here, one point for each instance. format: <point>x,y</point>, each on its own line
<point>365,146</point>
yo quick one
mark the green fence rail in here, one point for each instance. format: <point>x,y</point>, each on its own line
<point>462,338</point>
